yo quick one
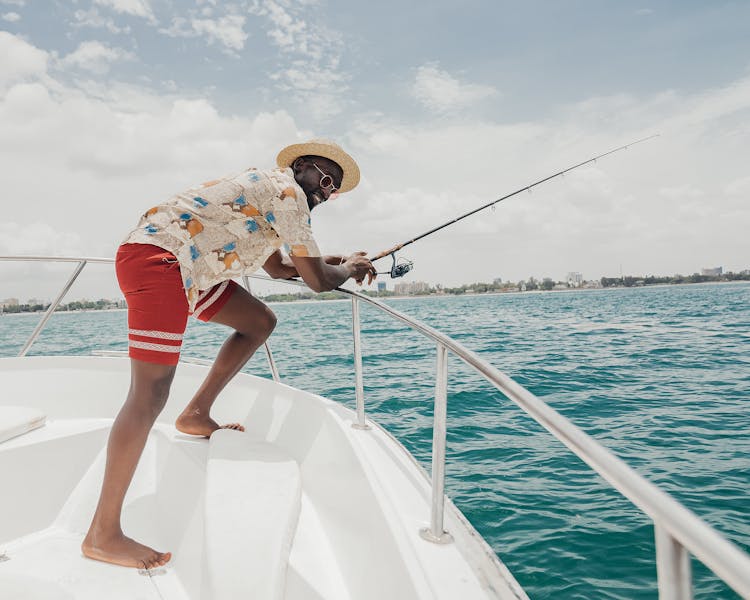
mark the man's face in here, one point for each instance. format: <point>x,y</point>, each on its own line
<point>318,177</point>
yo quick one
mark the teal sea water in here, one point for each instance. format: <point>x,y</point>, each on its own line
<point>659,375</point>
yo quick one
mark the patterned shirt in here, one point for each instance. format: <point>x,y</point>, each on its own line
<point>229,227</point>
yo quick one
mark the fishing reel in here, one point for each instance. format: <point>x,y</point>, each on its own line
<point>398,269</point>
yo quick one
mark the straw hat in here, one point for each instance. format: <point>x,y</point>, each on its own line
<point>326,149</point>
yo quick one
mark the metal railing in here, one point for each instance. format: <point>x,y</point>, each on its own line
<point>82,262</point>
<point>678,531</point>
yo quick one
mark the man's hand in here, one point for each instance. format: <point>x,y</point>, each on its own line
<point>361,267</point>
<point>322,276</point>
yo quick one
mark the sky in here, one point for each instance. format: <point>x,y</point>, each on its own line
<point>108,107</point>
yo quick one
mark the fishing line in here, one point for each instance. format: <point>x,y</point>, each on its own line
<point>402,268</point>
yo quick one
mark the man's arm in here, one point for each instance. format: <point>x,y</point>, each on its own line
<point>280,266</point>
<point>334,259</point>
<point>322,277</point>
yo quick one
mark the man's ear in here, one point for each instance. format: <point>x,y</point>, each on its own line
<point>297,164</point>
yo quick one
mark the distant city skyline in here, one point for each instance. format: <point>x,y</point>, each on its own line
<point>400,286</point>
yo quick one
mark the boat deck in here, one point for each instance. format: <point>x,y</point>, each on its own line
<point>50,562</point>
<point>48,565</point>
<point>301,506</point>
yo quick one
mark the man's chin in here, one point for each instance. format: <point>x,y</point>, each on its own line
<point>314,199</point>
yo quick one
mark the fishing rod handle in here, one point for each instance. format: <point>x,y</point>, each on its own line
<point>385,253</point>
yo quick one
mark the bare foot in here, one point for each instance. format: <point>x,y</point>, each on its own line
<point>194,423</point>
<point>121,550</point>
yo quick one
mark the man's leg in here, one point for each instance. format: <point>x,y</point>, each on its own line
<point>253,322</point>
<point>149,389</point>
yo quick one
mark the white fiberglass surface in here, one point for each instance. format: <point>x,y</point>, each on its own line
<point>54,477</point>
<point>353,529</point>
<point>56,472</point>
<point>41,469</point>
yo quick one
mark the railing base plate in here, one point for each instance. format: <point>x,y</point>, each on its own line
<point>443,538</point>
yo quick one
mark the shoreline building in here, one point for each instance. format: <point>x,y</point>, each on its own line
<point>713,271</point>
<point>410,288</point>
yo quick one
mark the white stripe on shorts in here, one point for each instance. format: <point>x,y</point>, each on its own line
<point>154,347</point>
<point>161,335</point>
<point>214,297</point>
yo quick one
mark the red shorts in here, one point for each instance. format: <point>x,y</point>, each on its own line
<point>150,278</point>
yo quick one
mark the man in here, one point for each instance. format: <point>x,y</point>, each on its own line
<point>181,260</point>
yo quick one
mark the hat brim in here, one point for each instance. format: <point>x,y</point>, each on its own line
<point>330,151</point>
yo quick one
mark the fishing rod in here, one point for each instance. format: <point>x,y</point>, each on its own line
<point>402,268</point>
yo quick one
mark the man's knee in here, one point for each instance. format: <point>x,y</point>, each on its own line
<point>267,323</point>
<point>261,325</point>
<point>158,394</point>
<point>160,389</point>
<point>272,320</point>
<point>152,389</point>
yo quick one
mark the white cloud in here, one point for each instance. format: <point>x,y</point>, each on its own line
<point>439,91</point>
<point>44,280</point>
<point>11,17</point>
<point>95,57</point>
<point>92,18</point>
<point>314,76</point>
<point>660,207</point>
<point>228,30</point>
<point>37,238</point>
<point>22,61</point>
<point>319,89</point>
<point>136,8</point>
<point>681,192</point>
<point>292,34</point>
<point>86,161</point>
<point>322,105</point>
<point>739,187</point>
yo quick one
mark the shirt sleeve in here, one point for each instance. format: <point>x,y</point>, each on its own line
<point>290,218</point>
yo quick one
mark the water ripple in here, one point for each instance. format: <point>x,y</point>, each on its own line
<point>660,376</point>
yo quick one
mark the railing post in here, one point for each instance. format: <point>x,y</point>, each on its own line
<point>359,389</point>
<point>269,354</point>
<point>672,567</point>
<point>435,533</point>
<point>271,363</point>
<point>52,308</point>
